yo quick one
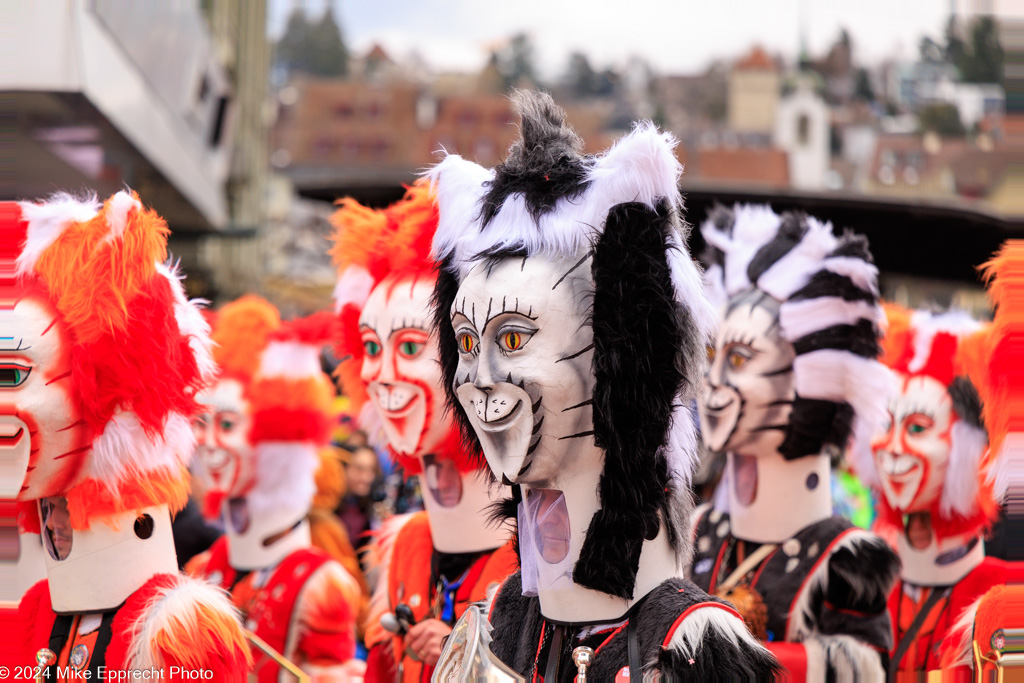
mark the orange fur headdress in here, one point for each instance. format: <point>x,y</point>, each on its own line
<point>138,350</point>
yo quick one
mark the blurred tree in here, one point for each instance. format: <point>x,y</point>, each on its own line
<point>315,48</point>
<point>943,119</point>
<point>515,62</point>
<point>930,51</point>
<point>985,62</point>
<point>580,77</point>
<point>862,90</point>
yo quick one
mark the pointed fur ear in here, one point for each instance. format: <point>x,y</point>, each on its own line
<point>641,167</point>
<point>459,185</point>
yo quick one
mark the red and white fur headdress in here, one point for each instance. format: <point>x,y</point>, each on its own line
<point>139,353</point>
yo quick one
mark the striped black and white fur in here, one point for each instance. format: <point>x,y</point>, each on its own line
<point>827,289</point>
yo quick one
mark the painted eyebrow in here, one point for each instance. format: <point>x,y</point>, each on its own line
<point>409,325</point>
<point>506,310</point>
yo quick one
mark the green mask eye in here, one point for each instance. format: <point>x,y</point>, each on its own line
<point>915,429</point>
<point>12,375</point>
<point>410,348</point>
<point>372,348</point>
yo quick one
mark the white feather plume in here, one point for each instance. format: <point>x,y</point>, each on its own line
<point>353,287</point>
<point>125,450</point>
<point>960,488</point>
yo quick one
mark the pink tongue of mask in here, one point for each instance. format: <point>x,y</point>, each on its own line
<point>745,478</point>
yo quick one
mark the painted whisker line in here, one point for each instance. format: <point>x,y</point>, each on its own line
<point>576,436</point>
<point>536,406</point>
<point>578,353</point>
<point>780,371</point>
<point>536,427</point>
<point>73,452</point>
<point>59,378</point>
<point>568,272</point>
<point>578,405</point>
<point>530,451</point>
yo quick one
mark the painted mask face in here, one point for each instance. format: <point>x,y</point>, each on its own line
<point>400,368</point>
<point>222,440</point>
<point>913,453</point>
<point>748,391</point>
<point>42,436</point>
<point>524,376</point>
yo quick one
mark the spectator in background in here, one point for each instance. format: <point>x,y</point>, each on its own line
<point>356,509</point>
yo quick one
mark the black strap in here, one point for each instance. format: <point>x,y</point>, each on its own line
<point>911,635</point>
<point>99,652</point>
<point>633,647</point>
<point>554,654</point>
<point>59,634</point>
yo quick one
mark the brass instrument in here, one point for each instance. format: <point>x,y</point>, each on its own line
<point>467,656</point>
<point>1004,654</point>
<point>582,658</point>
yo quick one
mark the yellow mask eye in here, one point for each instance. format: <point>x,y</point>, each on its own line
<point>736,360</point>
<point>513,341</point>
<point>711,354</point>
<point>466,343</point>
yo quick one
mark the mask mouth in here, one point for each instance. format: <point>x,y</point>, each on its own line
<point>501,423</point>
<point>238,515</point>
<point>918,530</point>
<point>395,400</point>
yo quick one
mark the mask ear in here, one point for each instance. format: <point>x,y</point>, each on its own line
<point>645,346</point>
<point>460,186</point>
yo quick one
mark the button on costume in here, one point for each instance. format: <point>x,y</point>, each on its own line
<point>106,360</point>
<point>794,377</point>
<point>433,563</point>
<point>572,327</point>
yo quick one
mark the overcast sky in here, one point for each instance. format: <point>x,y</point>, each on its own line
<point>674,36</point>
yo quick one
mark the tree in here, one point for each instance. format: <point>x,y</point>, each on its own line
<point>312,48</point>
<point>862,89</point>
<point>943,119</point>
<point>515,62</point>
<point>986,59</point>
<point>580,77</point>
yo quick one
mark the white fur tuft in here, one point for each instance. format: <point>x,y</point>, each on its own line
<point>284,479</point>
<point>800,318</point>
<point>459,185</point>
<point>124,450</point>
<point>862,273</point>
<point>191,322</point>
<point>688,283</point>
<point>960,488</point>
<point>290,359</point>
<point>851,660</point>
<point>118,208</point>
<point>47,221</point>
<point>754,226</point>
<point>1006,473</point>
<point>794,270</point>
<point>173,610</point>
<point>353,287</point>
<point>690,635</point>
<point>864,383</point>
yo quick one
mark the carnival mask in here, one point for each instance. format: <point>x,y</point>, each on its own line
<point>524,376</point>
<point>912,454</point>
<point>41,431</point>
<point>748,391</point>
<point>400,368</point>
<point>222,440</point>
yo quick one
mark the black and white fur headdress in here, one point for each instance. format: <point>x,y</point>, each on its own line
<point>651,320</point>
<point>827,287</point>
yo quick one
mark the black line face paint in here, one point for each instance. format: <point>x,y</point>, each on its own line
<point>748,391</point>
<point>524,376</point>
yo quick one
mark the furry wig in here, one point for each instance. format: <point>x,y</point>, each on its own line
<point>943,347</point>
<point>370,246</point>
<point>139,349</point>
<point>1000,372</point>
<point>651,320</point>
<point>292,404</point>
<point>827,288</point>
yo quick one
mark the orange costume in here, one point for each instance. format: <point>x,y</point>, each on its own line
<point>106,361</point>
<point>435,562</point>
<point>266,419</point>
